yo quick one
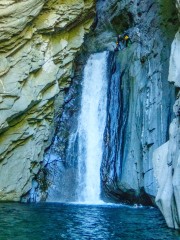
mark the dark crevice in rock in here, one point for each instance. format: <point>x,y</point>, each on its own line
<point>129,197</point>
<point>122,22</point>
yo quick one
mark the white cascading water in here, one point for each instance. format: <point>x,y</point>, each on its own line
<point>91,125</point>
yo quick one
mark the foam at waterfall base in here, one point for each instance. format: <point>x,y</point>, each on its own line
<point>107,205</point>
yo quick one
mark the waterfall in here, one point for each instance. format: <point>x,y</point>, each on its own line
<point>91,125</point>
<point>73,163</point>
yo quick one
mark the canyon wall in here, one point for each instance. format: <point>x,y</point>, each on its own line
<point>140,97</point>
<point>135,167</point>
<point>39,40</point>
<point>40,88</point>
<point>166,159</point>
<point>140,100</point>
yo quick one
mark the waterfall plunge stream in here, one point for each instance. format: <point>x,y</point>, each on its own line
<point>74,174</point>
<point>91,125</point>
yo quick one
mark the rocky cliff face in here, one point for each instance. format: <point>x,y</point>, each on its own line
<point>166,159</point>
<point>140,105</point>
<point>140,97</point>
<point>39,40</point>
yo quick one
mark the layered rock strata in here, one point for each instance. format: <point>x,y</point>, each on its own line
<point>39,40</point>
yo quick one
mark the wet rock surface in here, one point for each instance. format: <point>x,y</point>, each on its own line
<point>60,159</point>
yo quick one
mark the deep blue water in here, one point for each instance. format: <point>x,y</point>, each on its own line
<point>51,221</point>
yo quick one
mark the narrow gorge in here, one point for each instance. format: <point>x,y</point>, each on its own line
<point>81,122</point>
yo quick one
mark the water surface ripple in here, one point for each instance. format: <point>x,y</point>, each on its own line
<point>53,221</point>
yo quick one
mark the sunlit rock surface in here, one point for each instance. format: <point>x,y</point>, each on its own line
<point>39,40</point>
<point>167,157</point>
